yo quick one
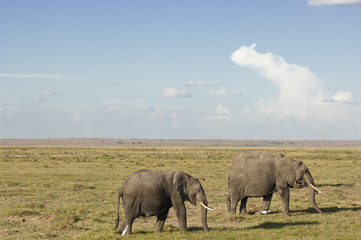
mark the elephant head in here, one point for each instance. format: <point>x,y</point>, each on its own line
<point>191,189</point>
<point>290,171</point>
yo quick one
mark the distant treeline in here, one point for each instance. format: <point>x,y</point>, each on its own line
<point>180,142</point>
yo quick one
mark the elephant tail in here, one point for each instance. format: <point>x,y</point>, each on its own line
<point>229,193</point>
<point>120,194</point>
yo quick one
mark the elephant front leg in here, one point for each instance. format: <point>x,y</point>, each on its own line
<point>160,221</point>
<point>180,211</point>
<point>285,195</point>
<point>266,204</point>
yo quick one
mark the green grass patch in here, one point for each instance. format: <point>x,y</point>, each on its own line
<point>71,192</point>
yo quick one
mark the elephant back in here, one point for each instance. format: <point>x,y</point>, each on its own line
<point>258,155</point>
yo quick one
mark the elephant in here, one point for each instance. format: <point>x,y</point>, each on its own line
<point>152,193</point>
<point>262,173</point>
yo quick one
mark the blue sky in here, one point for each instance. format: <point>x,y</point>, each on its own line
<point>181,69</point>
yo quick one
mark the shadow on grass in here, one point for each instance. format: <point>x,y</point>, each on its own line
<point>336,185</point>
<point>327,210</point>
<point>195,229</point>
<point>337,209</point>
<point>279,225</point>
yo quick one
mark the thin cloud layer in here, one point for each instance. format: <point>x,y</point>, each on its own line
<point>175,92</point>
<point>223,92</point>
<point>332,2</point>
<point>202,83</point>
<point>35,76</point>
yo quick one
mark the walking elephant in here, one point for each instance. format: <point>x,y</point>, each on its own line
<point>148,193</point>
<point>262,173</point>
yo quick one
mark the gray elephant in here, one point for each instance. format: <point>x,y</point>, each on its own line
<point>148,193</point>
<point>262,173</point>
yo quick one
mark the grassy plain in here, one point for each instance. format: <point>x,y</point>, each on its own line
<point>71,192</point>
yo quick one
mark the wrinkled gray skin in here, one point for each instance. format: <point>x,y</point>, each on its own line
<point>147,193</point>
<point>262,173</point>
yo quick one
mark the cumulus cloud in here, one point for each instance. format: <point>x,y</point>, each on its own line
<point>332,2</point>
<point>175,92</point>
<point>298,87</point>
<point>223,92</point>
<point>302,94</point>
<point>202,83</point>
<point>342,96</point>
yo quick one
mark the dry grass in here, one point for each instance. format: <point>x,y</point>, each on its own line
<point>70,192</point>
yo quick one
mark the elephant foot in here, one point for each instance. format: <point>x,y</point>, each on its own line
<point>243,212</point>
<point>232,211</point>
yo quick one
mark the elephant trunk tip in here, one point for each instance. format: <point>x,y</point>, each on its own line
<point>116,223</point>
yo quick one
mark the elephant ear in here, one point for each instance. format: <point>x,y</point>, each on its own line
<point>181,182</point>
<point>286,172</point>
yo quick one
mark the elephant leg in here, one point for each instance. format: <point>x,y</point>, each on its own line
<point>181,212</point>
<point>120,227</point>
<point>130,213</point>
<point>128,225</point>
<point>285,196</point>
<point>160,221</point>
<point>266,203</point>
<point>233,201</point>
<point>242,208</point>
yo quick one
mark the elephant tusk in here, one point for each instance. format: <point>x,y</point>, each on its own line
<point>205,206</point>
<point>315,188</point>
<point>125,231</point>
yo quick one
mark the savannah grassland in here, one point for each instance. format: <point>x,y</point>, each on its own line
<point>65,192</point>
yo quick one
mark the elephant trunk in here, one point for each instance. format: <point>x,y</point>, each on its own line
<point>312,190</point>
<point>203,201</point>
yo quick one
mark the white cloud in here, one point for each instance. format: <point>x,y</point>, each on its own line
<point>342,96</point>
<point>298,87</point>
<point>175,92</point>
<point>32,75</point>
<point>202,83</point>
<point>332,2</point>
<point>174,120</point>
<point>36,76</point>
<point>153,113</point>
<point>223,92</point>
<point>302,95</point>
<point>221,114</point>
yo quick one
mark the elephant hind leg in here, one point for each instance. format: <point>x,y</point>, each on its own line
<point>233,206</point>
<point>160,221</point>
<point>233,199</point>
<point>242,208</point>
<point>266,204</point>
<point>120,228</point>
<point>131,213</point>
